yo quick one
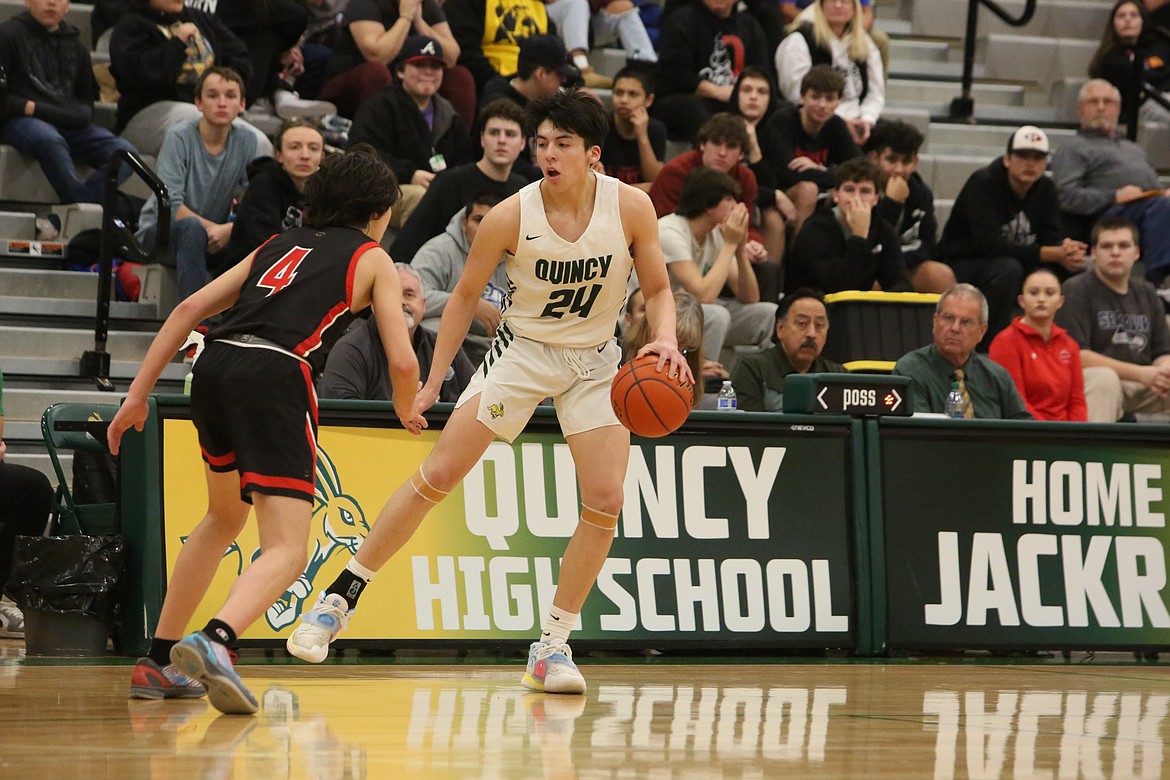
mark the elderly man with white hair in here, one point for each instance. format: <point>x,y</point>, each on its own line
<point>1102,174</point>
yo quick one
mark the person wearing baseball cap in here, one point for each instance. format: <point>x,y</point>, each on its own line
<point>542,68</point>
<point>415,130</point>
<point>1006,224</point>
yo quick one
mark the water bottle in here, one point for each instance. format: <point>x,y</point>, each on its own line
<point>726,397</point>
<point>955,406</point>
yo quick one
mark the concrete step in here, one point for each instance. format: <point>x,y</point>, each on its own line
<point>1038,58</point>
<point>901,91</point>
<point>65,372</point>
<point>18,342</point>
<point>950,138</point>
<point>933,71</point>
<point>1054,18</point>
<point>919,50</point>
<point>22,282</point>
<point>28,405</point>
<point>946,174</point>
<point>989,113</point>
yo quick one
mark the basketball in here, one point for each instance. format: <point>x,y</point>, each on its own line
<point>647,402</point>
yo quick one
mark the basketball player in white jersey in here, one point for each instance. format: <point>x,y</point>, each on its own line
<point>570,241</point>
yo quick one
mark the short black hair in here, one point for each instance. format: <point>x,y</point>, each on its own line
<point>798,294</point>
<point>488,198</point>
<point>640,73</point>
<point>225,73</point>
<point>726,128</point>
<point>500,108</point>
<point>704,188</point>
<point>901,138</point>
<point>857,169</point>
<point>574,112</point>
<point>1114,223</point>
<point>822,78</point>
<point>348,188</point>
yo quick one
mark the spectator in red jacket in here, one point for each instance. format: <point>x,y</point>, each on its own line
<point>1044,361</point>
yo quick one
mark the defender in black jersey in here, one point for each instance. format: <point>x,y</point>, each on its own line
<point>255,409</point>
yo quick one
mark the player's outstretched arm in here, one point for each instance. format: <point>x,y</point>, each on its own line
<point>221,293</point>
<point>496,237</point>
<point>377,281</point>
<point>641,225</point>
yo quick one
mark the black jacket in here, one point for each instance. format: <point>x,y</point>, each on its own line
<point>146,63</point>
<point>784,139</point>
<point>988,220</point>
<point>271,205</point>
<point>390,122</point>
<point>825,258</point>
<point>52,69</point>
<point>687,53</point>
<point>913,221</point>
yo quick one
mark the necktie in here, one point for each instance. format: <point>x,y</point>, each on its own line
<point>969,411</point>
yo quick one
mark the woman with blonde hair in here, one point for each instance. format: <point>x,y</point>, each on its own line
<point>688,327</point>
<point>833,34</point>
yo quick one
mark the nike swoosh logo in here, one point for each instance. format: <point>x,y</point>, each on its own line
<point>531,238</point>
<point>554,617</point>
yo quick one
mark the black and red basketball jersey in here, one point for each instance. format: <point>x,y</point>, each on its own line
<point>299,291</point>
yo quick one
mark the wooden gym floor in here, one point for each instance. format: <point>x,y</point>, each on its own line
<point>1091,717</point>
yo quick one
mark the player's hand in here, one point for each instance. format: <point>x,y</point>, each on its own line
<point>132,413</point>
<point>897,189</point>
<point>412,418</point>
<point>734,227</point>
<point>670,360</point>
<point>802,164</point>
<point>218,237</point>
<point>488,315</point>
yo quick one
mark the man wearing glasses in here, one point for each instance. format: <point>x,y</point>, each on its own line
<point>960,321</point>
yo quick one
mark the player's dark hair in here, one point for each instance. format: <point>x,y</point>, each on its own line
<point>857,169</point>
<point>225,73</point>
<point>901,138</point>
<point>640,73</point>
<point>1114,223</point>
<point>348,188</point>
<point>574,112</point>
<point>704,188</point>
<point>823,79</point>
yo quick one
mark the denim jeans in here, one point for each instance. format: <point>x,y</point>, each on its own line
<point>188,253</point>
<point>55,149</point>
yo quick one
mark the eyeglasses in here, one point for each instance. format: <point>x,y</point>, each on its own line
<point>966,323</point>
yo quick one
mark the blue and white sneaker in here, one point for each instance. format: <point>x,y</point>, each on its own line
<point>551,669</point>
<point>209,662</point>
<point>319,627</point>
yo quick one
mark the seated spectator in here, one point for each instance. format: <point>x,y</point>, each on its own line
<point>25,500</point>
<point>836,37</point>
<point>415,131</point>
<point>907,204</point>
<point>688,329</point>
<point>271,31</point>
<point>1043,360</point>
<point>439,264</point>
<point>804,144</point>
<point>158,52</point>
<point>490,33</point>
<point>635,148</point>
<point>502,140</point>
<point>703,244</point>
<point>370,41</point>
<point>1101,174</point>
<point>203,164</point>
<point>571,18</point>
<point>356,366</point>
<point>704,47</point>
<point>542,70</point>
<point>1129,36</point>
<point>960,320</point>
<point>719,145</point>
<point>48,102</point>
<point>276,189</point>
<point>802,325</point>
<point>1005,223</point>
<point>790,9</point>
<point>623,18</point>
<point>317,43</point>
<point>848,247</point>
<point>1120,324</point>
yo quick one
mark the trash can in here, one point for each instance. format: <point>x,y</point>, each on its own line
<point>67,587</point>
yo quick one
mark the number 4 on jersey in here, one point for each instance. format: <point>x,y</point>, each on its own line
<point>281,273</point>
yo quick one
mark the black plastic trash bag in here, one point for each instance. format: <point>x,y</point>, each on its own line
<point>67,574</point>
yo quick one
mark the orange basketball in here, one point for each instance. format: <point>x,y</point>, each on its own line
<point>649,403</point>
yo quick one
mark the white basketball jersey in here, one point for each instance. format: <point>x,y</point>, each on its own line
<point>562,292</point>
